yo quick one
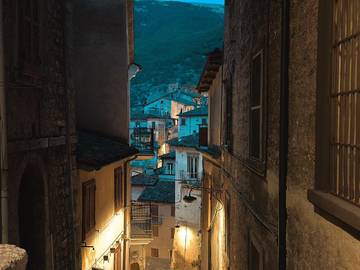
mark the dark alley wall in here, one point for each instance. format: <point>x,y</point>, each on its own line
<point>101,66</point>
<point>40,123</point>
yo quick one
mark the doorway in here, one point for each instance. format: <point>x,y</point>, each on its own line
<point>31,211</point>
<point>135,266</point>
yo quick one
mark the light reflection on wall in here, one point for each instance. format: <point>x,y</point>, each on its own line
<point>221,235</point>
<point>102,241</point>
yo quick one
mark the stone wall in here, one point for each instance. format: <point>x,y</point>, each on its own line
<point>41,121</point>
<point>312,241</point>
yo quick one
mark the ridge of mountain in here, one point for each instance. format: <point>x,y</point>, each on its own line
<point>171,42</point>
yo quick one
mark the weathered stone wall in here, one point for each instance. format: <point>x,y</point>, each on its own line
<point>37,120</point>
<point>312,241</point>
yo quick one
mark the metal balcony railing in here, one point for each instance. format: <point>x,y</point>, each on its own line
<point>191,178</point>
<point>142,139</point>
<point>141,220</point>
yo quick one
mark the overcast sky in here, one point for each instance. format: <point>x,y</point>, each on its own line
<point>202,1</point>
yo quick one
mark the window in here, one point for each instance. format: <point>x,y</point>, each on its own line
<point>255,254</point>
<point>155,252</point>
<point>183,122</point>
<point>170,168</point>
<point>118,188</point>
<point>193,166</point>
<point>154,213</point>
<point>345,104</point>
<point>256,107</point>
<point>29,33</point>
<point>338,133</point>
<point>173,210</point>
<point>88,206</point>
<point>172,233</point>
<point>228,110</point>
<point>155,230</point>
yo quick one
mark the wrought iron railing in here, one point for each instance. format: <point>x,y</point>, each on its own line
<point>141,220</point>
<point>191,178</point>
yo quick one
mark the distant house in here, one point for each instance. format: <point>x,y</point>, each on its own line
<point>172,104</point>
<point>168,164</point>
<point>159,198</point>
<point>190,122</point>
<point>188,175</point>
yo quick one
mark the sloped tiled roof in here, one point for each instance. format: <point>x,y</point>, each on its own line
<point>145,116</point>
<point>95,151</point>
<point>144,180</point>
<point>178,96</point>
<point>170,155</point>
<point>186,141</point>
<point>202,111</point>
<point>162,192</point>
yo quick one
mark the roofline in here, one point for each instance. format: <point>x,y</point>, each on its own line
<point>89,167</point>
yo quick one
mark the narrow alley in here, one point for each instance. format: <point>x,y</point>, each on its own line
<point>180,134</point>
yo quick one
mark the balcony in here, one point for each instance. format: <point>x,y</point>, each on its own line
<point>142,139</point>
<point>190,178</point>
<point>141,221</point>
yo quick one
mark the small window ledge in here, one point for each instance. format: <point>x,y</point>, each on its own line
<point>337,211</point>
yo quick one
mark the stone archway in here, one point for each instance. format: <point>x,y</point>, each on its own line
<point>32,218</point>
<point>135,266</point>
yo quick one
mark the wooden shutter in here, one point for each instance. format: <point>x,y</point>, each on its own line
<point>88,209</point>
<point>118,188</point>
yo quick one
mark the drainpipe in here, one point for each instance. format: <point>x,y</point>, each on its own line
<point>284,132</point>
<point>127,214</point>
<point>3,138</point>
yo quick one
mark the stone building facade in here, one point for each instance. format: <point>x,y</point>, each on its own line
<point>40,132</point>
<point>242,215</point>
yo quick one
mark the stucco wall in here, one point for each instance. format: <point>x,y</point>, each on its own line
<point>313,242</point>
<point>101,66</point>
<point>163,242</point>
<point>109,225</point>
<point>187,236</point>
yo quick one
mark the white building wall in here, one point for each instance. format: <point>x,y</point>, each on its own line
<point>187,240</point>
<point>184,211</point>
<point>191,126</point>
